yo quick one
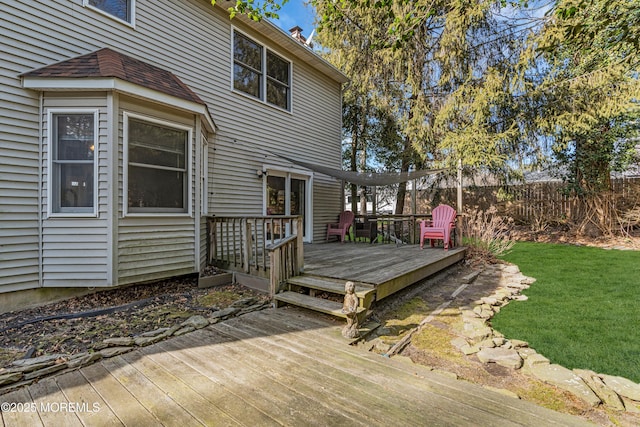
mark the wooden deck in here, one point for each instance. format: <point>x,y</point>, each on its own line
<point>388,267</point>
<point>276,367</point>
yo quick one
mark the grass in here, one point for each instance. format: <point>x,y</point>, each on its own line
<point>402,319</point>
<point>583,311</point>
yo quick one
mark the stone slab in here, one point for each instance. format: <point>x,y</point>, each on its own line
<point>623,386</point>
<point>566,380</point>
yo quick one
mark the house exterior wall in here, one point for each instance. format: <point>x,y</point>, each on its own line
<point>250,133</point>
<point>193,40</point>
<point>75,250</point>
<point>155,246</point>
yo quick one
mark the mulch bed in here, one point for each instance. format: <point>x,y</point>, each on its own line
<point>75,325</point>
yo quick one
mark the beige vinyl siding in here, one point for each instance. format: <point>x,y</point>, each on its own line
<point>19,171</point>
<point>36,34</point>
<point>75,249</point>
<point>251,130</point>
<point>156,246</point>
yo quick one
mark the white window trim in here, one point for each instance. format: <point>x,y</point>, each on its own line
<point>50,113</point>
<point>204,173</point>
<point>289,173</point>
<point>263,97</point>
<point>85,3</point>
<point>125,165</point>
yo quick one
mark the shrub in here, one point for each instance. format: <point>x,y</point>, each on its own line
<point>485,233</point>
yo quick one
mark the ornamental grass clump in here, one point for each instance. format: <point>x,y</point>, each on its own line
<point>486,234</point>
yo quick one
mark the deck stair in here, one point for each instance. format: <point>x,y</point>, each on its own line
<point>306,291</point>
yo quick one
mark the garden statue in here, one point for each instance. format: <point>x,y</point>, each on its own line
<point>350,308</point>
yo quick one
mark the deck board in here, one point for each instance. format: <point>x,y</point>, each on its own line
<point>222,397</point>
<point>251,383</point>
<point>17,415</point>
<point>118,398</point>
<point>204,410</point>
<point>407,391</point>
<point>46,394</point>
<point>387,267</point>
<point>76,388</point>
<point>147,393</point>
<point>274,367</point>
<point>375,264</point>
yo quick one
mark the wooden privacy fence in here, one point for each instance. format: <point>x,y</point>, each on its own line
<point>250,244</point>
<point>527,203</point>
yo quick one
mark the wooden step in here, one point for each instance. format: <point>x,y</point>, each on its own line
<point>327,284</point>
<point>317,304</point>
<point>364,292</point>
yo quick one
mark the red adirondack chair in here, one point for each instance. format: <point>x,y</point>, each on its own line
<point>341,228</point>
<point>440,227</point>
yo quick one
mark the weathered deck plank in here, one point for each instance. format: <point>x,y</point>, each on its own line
<point>53,406</point>
<point>145,391</point>
<point>389,268</point>
<point>17,416</point>
<point>407,391</point>
<point>76,389</point>
<point>202,409</point>
<point>338,377</point>
<point>275,367</point>
<point>325,384</point>
<point>286,404</point>
<point>317,304</point>
<point>222,398</point>
<point>119,399</point>
<point>370,264</point>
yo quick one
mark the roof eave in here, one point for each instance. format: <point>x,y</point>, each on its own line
<point>76,84</point>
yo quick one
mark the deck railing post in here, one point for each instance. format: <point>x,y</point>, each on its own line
<point>246,261</point>
<point>210,242</point>
<point>275,272</point>
<point>299,247</point>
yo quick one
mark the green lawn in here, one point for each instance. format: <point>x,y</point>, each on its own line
<point>584,309</point>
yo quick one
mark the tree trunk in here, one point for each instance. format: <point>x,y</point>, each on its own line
<point>404,167</point>
<point>353,163</point>
<point>363,190</point>
<point>596,207</point>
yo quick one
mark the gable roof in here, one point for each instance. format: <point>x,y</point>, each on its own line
<point>107,63</point>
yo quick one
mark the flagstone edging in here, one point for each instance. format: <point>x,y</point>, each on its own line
<point>478,337</point>
<point>26,371</point>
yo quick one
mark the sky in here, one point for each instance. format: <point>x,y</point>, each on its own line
<point>296,12</point>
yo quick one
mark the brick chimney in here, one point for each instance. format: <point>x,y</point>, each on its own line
<point>296,33</point>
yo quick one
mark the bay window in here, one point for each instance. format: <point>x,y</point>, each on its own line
<point>157,166</point>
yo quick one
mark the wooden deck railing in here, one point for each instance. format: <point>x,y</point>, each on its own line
<point>286,260</point>
<point>398,229</point>
<point>247,243</point>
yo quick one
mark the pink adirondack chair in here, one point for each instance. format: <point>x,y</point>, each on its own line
<point>341,228</point>
<point>440,226</point>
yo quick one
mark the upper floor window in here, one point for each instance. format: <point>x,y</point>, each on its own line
<point>157,162</point>
<point>121,9</point>
<point>72,162</point>
<point>261,73</point>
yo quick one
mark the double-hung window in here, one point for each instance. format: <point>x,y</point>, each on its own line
<point>261,73</point>
<point>120,9</point>
<point>72,162</point>
<point>157,166</point>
